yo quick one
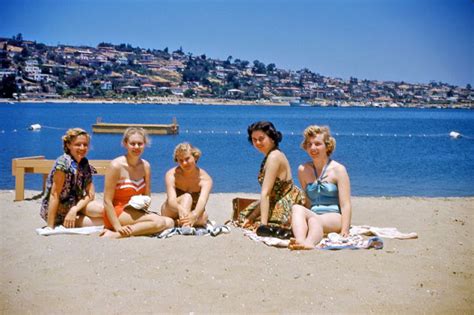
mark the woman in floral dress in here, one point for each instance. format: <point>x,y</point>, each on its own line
<point>69,194</point>
<point>278,193</point>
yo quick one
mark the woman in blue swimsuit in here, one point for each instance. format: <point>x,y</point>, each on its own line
<point>328,191</point>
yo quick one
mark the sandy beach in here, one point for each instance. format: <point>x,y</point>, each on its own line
<point>232,274</point>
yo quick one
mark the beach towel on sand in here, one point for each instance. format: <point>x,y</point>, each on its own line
<point>334,241</point>
<point>211,228</point>
<point>46,231</point>
<point>387,232</point>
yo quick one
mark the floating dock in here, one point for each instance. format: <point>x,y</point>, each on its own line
<point>152,129</point>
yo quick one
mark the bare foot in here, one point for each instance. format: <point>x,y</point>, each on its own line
<point>109,234</point>
<point>295,245</point>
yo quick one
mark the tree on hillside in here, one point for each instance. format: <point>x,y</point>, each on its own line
<point>8,87</point>
<point>271,67</point>
<point>74,80</point>
<point>259,67</point>
<point>103,44</point>
<point>188,93</point>
<point>179,51</point>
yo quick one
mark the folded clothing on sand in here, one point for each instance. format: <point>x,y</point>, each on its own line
<point>139,202</point>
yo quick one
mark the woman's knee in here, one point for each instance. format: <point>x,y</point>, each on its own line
<point>162,222</point>
<point>315,221</point>
<point>297,210</point>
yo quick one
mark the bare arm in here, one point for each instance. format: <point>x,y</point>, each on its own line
<point>271,171</point>
<point>206,186</point>
<point>58,182</point>
<point>147,178</point>
<point>344,187</point>
<point>171,197</point>
<point>70,219</point>
<point>302,178</point>
<point>111,178</point>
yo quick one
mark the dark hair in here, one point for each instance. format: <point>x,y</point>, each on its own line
<point>266,127</point>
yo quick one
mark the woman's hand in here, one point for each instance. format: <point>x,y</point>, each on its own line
<point>345,234</point>
<point>70,219</point>
<point>189,219</point>
<point>249,223</point>
<point>125,230</point>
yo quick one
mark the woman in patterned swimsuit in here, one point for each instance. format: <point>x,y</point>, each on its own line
<point>328,191</point>
<point>127,176</point>
<point>278,193</point>
<point>187,188</point>
<point>69,191</point>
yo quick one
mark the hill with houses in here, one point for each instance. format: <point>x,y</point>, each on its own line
<point>35,71</point>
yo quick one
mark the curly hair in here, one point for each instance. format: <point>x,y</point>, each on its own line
<point>268,128</point>
<point>135,130</point>
<point>186,147</point>
<point>71,135</point>
<point>313,131</point>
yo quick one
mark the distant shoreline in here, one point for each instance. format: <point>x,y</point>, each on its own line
<point>226,102</point>
<point>157,101</point>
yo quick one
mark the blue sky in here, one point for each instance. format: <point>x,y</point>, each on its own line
<point>400,40</point>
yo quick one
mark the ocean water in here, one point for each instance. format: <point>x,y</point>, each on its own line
<point>387,151</point>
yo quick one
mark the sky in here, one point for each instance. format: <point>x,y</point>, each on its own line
<point>415,41</point>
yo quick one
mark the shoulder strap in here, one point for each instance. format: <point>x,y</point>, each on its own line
<point>323,172</point>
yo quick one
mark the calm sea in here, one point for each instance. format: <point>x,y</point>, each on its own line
<point>387,151</point>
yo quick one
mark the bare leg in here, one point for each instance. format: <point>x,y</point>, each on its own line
<point>202,220</point>
<point>185,201</point>
<point>83,220</point>
<point>320,225</point>
<point>110,234</point>
<point>144,224</point>
<point>315,232</point>
<point>94,209</point>
<point>299,223</point>
<point>91,215</point>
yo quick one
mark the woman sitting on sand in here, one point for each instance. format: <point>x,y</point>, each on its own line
<point>187,188</point>
<point>278,192</point>
<point>70,192</point>
<point>328,192</point>
<point>128,176</point>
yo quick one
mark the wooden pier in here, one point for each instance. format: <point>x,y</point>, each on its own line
<point>152,129</point>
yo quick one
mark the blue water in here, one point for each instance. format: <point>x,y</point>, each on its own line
<point>387,151</point>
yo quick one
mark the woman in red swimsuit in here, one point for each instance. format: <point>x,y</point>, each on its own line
<point>127,176</point>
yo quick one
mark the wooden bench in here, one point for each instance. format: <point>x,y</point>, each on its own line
<point>40,165</point>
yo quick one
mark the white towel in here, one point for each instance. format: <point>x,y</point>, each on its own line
<point>62,230</point>
<point>386,232</point>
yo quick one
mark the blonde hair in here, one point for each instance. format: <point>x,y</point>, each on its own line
<point>186,147</point>
<point>130,131</point>
<point>313,131</point>
<point>71,135</point>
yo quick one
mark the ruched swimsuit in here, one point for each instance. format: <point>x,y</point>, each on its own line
<point>124,190</point>
<point>324,196</point>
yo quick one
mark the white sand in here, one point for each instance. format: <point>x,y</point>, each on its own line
<point>232,274</point>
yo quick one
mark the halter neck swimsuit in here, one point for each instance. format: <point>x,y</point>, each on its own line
<point>324,196</point>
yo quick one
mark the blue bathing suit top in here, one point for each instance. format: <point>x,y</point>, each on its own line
<point>324,196</point>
